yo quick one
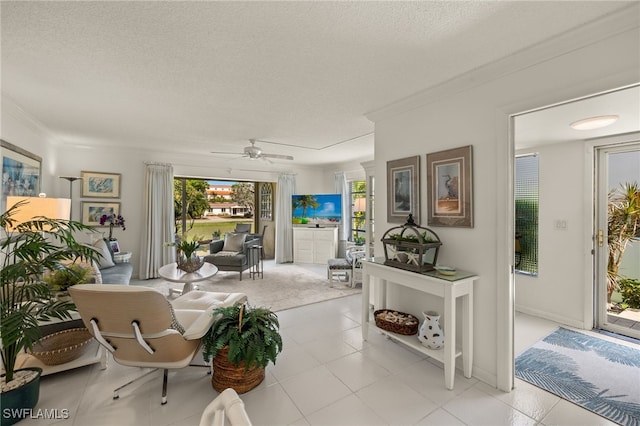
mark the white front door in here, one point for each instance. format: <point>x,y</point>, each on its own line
<point>617,166</point>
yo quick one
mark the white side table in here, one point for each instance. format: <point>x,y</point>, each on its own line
<point>122,257</point>
<point>170,272</point>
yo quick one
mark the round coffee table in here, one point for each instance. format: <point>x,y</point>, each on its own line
<point>170,272</point>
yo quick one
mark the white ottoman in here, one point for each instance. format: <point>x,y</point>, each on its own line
<point>203,300</point>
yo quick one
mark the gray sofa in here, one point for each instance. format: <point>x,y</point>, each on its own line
<point>110,271</point>
<point>120,273</point>
<point>238,258</point>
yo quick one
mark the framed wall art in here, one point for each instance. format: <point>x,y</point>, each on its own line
<point>92,211</point>
<point>100,184</point>
<point>450,187</point>
<point>21,171</point>
<point>403,189</point>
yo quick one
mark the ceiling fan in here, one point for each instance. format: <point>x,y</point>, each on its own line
<point>253,152</point>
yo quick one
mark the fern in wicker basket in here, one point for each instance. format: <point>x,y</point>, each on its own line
<point>250,332</point>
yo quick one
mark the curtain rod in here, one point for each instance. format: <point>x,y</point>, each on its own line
<point>154,163</point>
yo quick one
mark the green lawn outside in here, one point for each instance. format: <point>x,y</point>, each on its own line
<point>205,229</point>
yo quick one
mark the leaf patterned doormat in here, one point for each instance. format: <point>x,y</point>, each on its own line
<point>596,374</point>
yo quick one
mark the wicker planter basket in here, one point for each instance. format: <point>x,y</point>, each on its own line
<point>63,346</point>
<point>226,375</point>
<point>396,321</point>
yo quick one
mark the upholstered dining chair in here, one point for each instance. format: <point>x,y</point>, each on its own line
<point>350,266</point>
<point>141,328</point>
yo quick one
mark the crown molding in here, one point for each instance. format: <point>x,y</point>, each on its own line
<point>11,108</point>
<point>618,22</point>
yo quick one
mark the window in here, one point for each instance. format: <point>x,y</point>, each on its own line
<point>266,201</point>
<point>526,210</point>
<point>358,198</point>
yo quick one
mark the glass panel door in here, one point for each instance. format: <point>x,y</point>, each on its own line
<point>618,239</point>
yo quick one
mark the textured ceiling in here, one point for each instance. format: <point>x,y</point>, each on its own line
<point>207,76</point>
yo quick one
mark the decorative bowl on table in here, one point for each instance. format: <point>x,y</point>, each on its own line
<point>445,270</point>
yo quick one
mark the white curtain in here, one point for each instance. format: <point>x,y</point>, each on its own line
<point>284,228</point>
<point>341,187</point>
<point>158,219</point>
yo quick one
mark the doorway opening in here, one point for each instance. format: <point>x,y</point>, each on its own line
<point>566,286</point>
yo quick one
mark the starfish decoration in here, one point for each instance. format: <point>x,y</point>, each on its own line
<point>393,253</point>
<point>414,258</point>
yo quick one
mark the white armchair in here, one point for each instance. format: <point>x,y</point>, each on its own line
<point>226,405</point>
<point>141,328</point>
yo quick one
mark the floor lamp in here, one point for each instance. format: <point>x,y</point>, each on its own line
<point>71,179</point>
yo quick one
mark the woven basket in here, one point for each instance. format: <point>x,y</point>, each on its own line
<point>226,375</point>
<point>396,327</point>
<point>63,346</point>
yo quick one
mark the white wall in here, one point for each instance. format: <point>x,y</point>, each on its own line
<point>556,293</point>
<point>474,109</point>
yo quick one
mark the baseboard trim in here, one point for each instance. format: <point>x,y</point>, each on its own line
<point>550,316</point>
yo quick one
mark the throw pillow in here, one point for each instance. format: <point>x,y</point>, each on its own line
<point>175,324</point>
<point>233,242</point>
<point>226,253</point>
<point>104,260</point>
<point>95,277</point>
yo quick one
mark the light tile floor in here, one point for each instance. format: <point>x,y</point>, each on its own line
<point>326,375</point>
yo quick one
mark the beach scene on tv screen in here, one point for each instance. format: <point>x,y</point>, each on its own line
<point>316,209</point>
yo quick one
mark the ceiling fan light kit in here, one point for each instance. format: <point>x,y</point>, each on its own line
<point>254,153</point>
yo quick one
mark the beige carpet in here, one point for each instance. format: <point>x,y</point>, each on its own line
<point>284,286</point>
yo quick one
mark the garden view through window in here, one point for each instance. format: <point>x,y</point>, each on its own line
<point>526,212</point>
<point>358,211</point>
<point>209,208</point>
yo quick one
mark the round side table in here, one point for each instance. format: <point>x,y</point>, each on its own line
<point>122,257</point>
<point>170,272</point>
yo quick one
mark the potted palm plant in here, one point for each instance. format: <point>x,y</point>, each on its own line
<point>623,227</point>
<point>242,342</point>
<point>34,247</point>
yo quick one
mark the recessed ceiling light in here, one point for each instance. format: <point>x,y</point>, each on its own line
<point>594,122</point>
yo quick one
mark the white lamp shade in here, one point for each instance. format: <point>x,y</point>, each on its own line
<point>360,204</point>
<point>51,208</point>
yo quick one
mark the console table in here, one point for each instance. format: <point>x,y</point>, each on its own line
<point>449,288</point>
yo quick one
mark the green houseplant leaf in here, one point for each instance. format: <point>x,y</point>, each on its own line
<point>25,298</point>
<point>250,332</point>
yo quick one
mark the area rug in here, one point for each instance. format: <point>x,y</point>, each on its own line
<point>596,374</point>
<point>283,287</point>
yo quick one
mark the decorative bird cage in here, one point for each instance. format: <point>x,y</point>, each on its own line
<point>411,247</point>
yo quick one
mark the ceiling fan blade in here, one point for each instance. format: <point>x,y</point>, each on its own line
<point>281,157</point>
<point>227,153</point>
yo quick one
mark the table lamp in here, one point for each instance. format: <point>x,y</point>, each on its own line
<point>51,208</point>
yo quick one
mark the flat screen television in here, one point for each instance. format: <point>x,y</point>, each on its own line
<point>316,209</point>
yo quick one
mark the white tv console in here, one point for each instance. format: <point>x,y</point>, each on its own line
<point>314,245</point>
